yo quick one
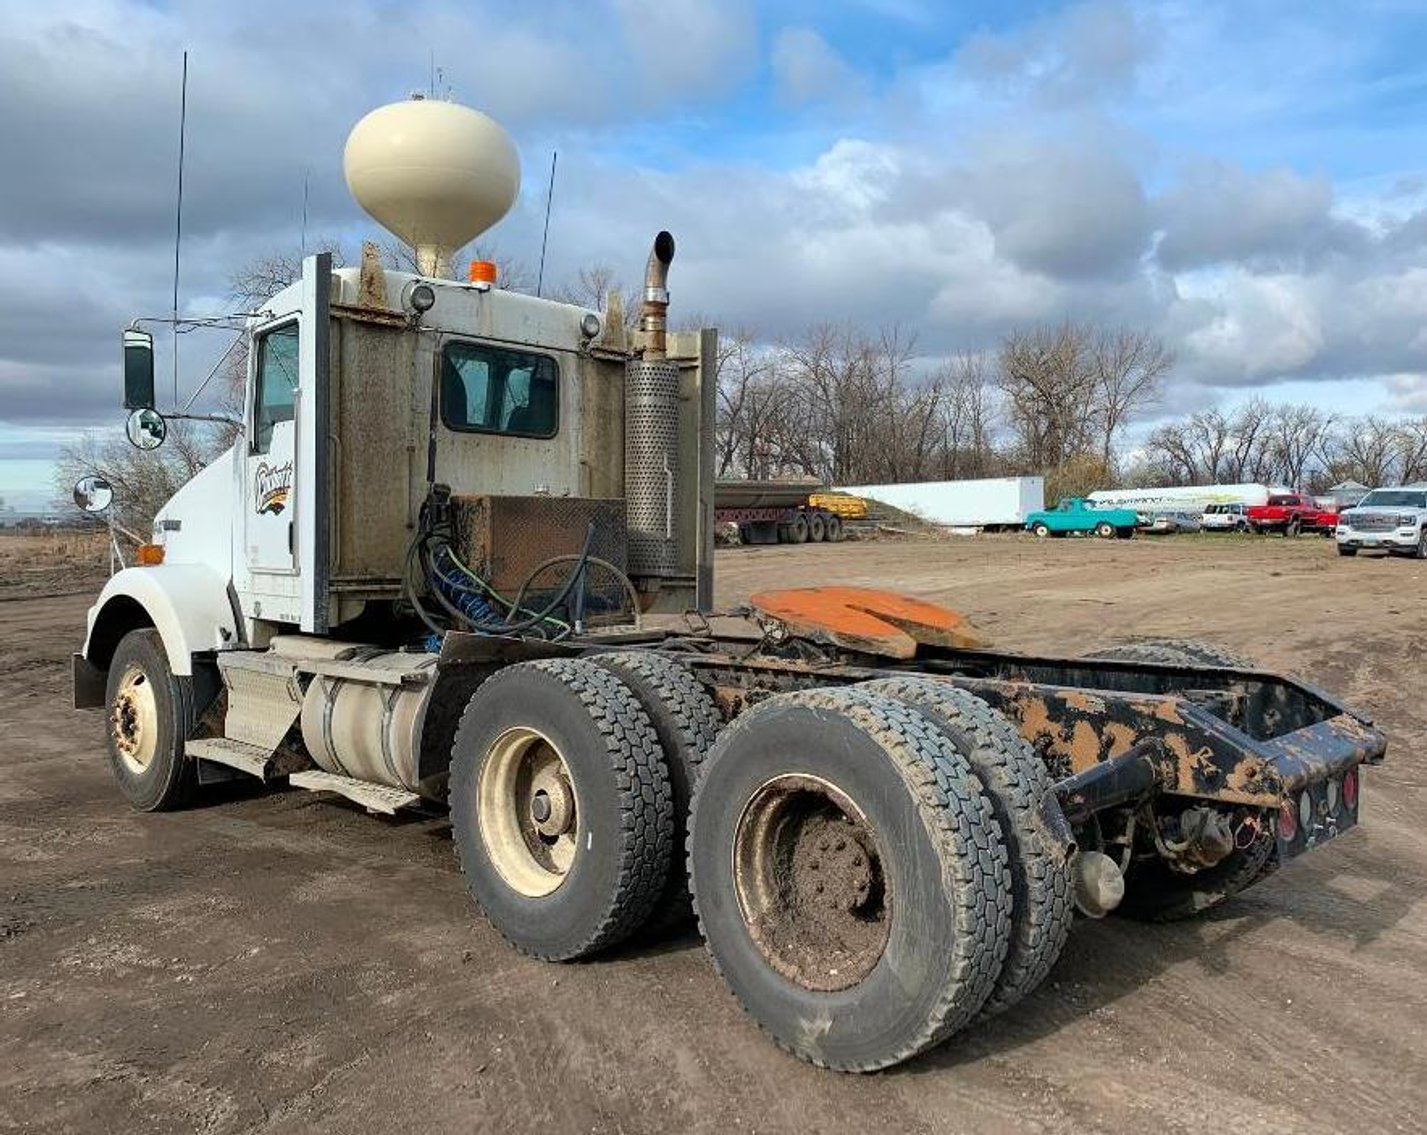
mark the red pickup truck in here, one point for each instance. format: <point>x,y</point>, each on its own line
<point>1291,513</point>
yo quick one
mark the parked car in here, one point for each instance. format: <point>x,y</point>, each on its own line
<point>1163,523</point>
<point>1290,514</point>
<point>1076,514</point>
<point>1390,520</point>
<point>1225,518</point>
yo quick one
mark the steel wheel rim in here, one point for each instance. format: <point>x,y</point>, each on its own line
<point>527,811</point>
<point>809,876</point>
<point>134,720</point>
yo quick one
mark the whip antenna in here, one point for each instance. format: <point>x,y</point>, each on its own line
<point>178,216</point>
<point>545,240</point>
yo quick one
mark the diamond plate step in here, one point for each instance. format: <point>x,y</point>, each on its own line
<point>251,759</point>
<point>373,797</point>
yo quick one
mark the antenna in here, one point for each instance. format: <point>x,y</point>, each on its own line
<point>178,216</point>
<point>545,240</point>
<point>305,175</point>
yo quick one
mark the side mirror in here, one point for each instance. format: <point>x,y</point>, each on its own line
<point>138,370</point>
<point>93,493</point>
<point>146,429</point>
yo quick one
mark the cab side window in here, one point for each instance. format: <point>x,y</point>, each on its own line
<point>276,394</point>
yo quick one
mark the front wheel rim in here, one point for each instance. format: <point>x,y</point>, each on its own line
<point>809,877</point>
<point>134,720</point>
<point>527,811</point>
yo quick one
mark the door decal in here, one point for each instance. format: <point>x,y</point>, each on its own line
<point>271,485</point>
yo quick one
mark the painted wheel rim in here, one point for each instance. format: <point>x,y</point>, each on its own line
<point>527,811</point>
<point>134,720</point>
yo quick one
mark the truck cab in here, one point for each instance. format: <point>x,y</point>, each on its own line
<point>1389,520</point>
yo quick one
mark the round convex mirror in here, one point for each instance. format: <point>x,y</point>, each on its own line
<point>93,493</point>
<point>146,429</point>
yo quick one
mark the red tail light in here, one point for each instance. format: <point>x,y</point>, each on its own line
<point>1350,788</point>
<point>1288,821</point>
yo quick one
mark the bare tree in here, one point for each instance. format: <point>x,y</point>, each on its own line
<point>1048,380</point>
<point>1130,367</point>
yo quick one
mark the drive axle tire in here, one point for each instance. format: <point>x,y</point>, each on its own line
<point>150,714</point>
<point>1017,783</point>
<point>687,723</point>
<point>834,528</point>
<point>849,877</point>
<point>560,807</point>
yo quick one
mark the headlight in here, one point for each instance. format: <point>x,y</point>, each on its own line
<point>1409,520</point>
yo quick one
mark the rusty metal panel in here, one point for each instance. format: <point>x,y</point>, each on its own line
<point>505,538</point>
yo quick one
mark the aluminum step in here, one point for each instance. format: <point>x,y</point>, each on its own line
<point>251,759</point>
<point>372,797</point>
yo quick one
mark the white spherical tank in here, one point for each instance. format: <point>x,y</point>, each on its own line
<point>436,174</point>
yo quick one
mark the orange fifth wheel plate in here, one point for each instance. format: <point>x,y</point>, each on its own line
<point>866,619</point>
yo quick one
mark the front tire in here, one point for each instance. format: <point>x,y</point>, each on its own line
<point>1345,551</point>
<point>150,714</point>
<point>1040,531</point>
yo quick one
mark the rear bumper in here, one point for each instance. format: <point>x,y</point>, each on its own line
<point>1317,774</point>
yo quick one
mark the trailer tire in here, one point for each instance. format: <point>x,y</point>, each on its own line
<point>864,980</point>
<point>817,528</point>
<point>1154,892</point>
<point>149,714</point>
<point>687,724</point>
<point>1018,784</point>
<point>834,528</point>
<point>573,730</point>
<point>797,530</point>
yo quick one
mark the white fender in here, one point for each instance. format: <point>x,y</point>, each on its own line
<point>188,604</point>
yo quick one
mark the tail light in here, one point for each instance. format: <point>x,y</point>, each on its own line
<point>1350,788</point>
<point>1288,821</point>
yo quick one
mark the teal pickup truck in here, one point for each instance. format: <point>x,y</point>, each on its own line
<point>1076,514</point>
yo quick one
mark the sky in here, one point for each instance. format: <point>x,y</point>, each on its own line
<point>1245,179</point>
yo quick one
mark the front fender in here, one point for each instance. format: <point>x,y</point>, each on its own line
<point>187,604</point>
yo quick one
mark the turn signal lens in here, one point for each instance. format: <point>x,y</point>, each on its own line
<point>150,555</point>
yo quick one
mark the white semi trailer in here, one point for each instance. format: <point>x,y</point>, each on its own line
<point>420,577</point>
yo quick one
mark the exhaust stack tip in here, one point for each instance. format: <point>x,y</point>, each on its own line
<point>653,318</point>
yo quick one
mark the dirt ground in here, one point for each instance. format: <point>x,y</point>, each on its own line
<point>283,962</point>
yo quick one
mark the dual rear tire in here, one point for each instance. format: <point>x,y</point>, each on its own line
<point>869,865</point>
<point>864,870</point>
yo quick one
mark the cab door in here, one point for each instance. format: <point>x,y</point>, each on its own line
<point>269,510</point>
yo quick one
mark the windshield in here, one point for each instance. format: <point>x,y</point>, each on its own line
<point>1394,498</point>
<point>1282,500</point>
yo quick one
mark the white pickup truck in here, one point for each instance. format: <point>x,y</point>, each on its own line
<point>1391,520</point>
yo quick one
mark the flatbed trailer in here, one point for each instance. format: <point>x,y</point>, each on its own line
<point>883,825</point>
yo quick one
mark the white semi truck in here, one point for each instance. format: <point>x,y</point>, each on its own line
<point>423,577</point>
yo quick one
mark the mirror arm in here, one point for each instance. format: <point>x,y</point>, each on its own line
<point>222,419</point>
